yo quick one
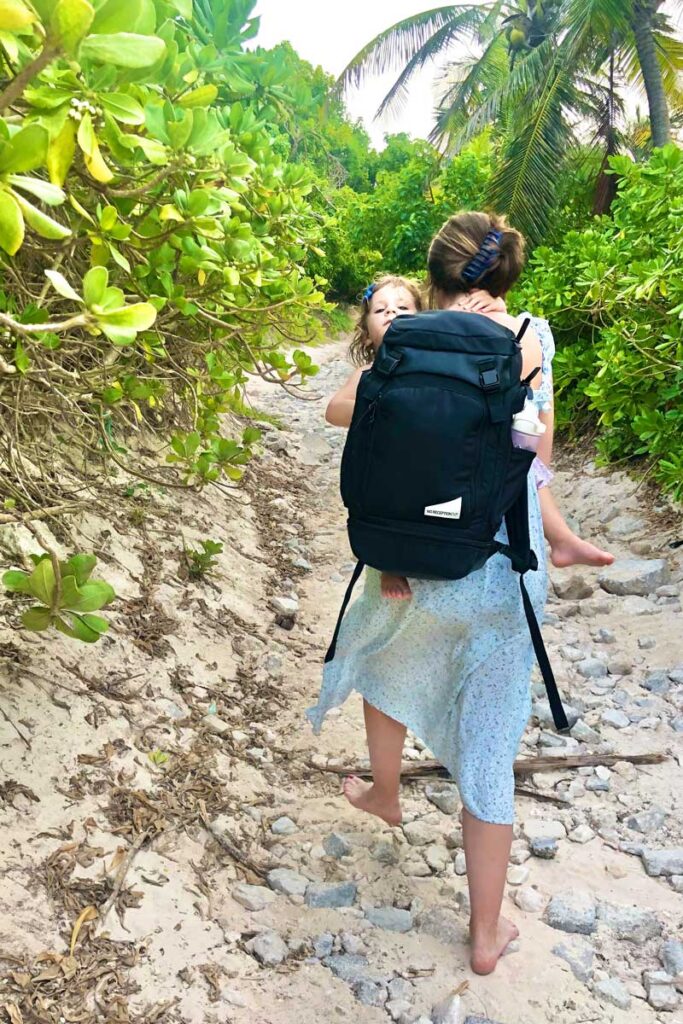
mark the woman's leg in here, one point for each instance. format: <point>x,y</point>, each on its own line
<point>487,849</point>
<point>385,745</point>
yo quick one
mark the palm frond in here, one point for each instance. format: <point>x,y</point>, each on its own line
<point>587,20</point>
<point>399,43</point>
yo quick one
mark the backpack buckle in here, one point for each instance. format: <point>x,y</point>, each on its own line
<point>488,378</point>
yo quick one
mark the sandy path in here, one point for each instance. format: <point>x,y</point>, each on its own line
<point>205,674</point>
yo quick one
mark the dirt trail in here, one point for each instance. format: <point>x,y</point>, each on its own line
<point>208,675</point>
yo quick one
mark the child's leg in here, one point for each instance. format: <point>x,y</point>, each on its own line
<point>395,586</point>
<point>385,746</point>
<point>487,849</point>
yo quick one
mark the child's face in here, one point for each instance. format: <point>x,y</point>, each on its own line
<point>385,304</point>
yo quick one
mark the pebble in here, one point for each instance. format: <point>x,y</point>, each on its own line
<point>336,845</point>
<point>385,852</point>
<point>615,718</point>
<point>629,923</point>
<point>284,827</point>
<point>253,897</point>
<point>216,725</point>
<point>613,991</point>
<point>418,833</point>
<point>591,668</point>
<point>460,863</point>
<point>390,918</point>
<point>657,682</point>
<point>444,797</point>
<point>634,576</point>
<point>619,666</point>
<point>287,607</point>
<point>323,945</point>
<point>517,874</point>
<point>546,849</point>
<point>537,828</point>
<point>447,1011</point>
<point>442,923</point>
<point>647,821</point>
<point>529,899</point>
<point>663,862</point>
<point>671,955</point>
<point>369,992</point>
<point>584,733</point>
<point>579,956</point>
<point>350,967</point>
<point>398,1008</point>
<point>572,912</point>
<point>575,588</point>
<point>604,636</point>
<point>331,894</point>
<point>581,834</point>
<point>624,526</point>
<point>269,948</point>
<point>438,857</point>
<point>289,882</point>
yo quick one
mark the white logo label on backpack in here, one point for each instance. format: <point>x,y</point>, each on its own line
<point>446,510</point>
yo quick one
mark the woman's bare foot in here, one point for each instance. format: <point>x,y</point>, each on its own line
<point>486,952</point>
<point>395,586</point>
<point>571,550</point>
<point>362,795</point>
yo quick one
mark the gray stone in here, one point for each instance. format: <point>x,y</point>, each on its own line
<point>216,725</point>
<point>646,643</point>
<point>284,827</point>
<point>444,797</point>
<point>331,894</point>
<point>398,1009</point>
<point>620,666</point>
<point>677,724</point>
<point>579,956</point>
<point>663,862</point>
<point>253,897</point>
<point>676,675</point>
<point>418,833</point>
<point>347,966</point>
<point>613,991</point>
<point>638,576</point>
<point>286,607</point>
<point>604,636</point>
<point>575,588</point>
<point>437,856</point>
<point>336,845</point>
<point>616,718</point>
<point>385,852</point>
<point>517,874</point>
<point>443,924</point>
<point>351,942</point>
<point>661,994</point>
<point>541,710</point>
<point>629,922</point>
<point>291,883</point>
<point>546,849</point>
<point>624,526</point>
<point>657,682</point>
<point>269,948</point>
<point>572,912</point>
<point>390,918</point>
<point>647,821</point>
<point>539,828</point>
<point>479,1020</point>
<point>369,992</point>
<point>591,668</point>
<point>584,733</point>
<point>447,1011</point>
<point>573,654</point>
<point>596,785</point>
<point>401,988</point>
<point>528,899</point>
<point>582,834</point>
<point>322,945</point>
<point>671,955</point>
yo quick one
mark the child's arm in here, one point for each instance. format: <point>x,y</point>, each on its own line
<point>340,407</point>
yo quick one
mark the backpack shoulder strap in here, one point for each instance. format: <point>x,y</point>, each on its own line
<point>347,597</point>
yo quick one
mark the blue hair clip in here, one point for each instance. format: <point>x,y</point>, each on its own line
<point>368,293</point>
<point>484,258</point>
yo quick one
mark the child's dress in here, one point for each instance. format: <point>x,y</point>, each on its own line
<point>453,662</point>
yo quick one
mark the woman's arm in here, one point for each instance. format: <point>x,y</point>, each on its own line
<point>340,407</point>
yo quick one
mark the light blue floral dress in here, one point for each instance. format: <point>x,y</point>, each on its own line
<point>453,662</point>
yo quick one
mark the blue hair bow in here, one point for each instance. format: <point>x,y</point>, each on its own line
<point>484,258</point>
<point>368,293</point>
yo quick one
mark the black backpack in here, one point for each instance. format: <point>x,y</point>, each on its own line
<point>429,471</point>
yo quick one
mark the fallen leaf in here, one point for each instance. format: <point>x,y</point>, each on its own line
<point>89,914</point>
<point>69,967</point>
<point>20,978</point>
<point>13,1012</point>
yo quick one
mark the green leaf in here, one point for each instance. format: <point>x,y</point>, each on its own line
<point>89,597</point>
<point>94,286</point>
<point>22,360</point>
<point>16,581</point>
<point>61,285</point>
<point>60,153</point>
<point>117,16</point>
<point>37,619</point>
<point>80,567</point>
<point>124,49</point>
<point>43,225</point>
<point>14,15</point>
<point>70,22</point>
<point>183,7</point>
<point>11,224</point>
<point>123,108</point>
<point>27,150</point>
<point>138,317</point>
<point>42,581</point>
<point>100,625</point>
<point>52,195</point>
<point>201,97</point>
<point>78,630</point>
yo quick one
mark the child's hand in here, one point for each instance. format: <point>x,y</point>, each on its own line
<point>479,301</point>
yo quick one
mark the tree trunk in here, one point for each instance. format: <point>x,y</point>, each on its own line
<point>652,73</point>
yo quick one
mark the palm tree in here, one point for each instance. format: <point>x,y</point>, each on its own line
<point>544,71</point>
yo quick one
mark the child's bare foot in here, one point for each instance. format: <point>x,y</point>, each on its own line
<point>362,795</point>
<point>486,952</point>
<point>571,550</point>
<point>395,586</point>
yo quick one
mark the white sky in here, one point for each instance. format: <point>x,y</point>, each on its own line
<point>331,33</point>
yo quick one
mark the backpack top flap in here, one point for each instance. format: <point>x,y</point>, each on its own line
<point>451,344</point>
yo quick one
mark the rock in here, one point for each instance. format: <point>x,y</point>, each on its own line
<point>638,606</point>
<point>415,867</point>
<point>613,991</point>
<point>624,526</point>
<point>617,719</point>
<point>676,675</point>
<point>460,863</point>
<point>661,992</point>
<point>529,899</point>
<point>595,785</point>
<point>519,851</point>
<point>619,667</point>
<point>584,733</point>
<point>546,849</point>
<point>573,589</point>
<point>663,862</point>
<point>286,607</point>
<point>604,636</point>
<point>629,923</point>
<point>398,1008</point>
<point>323,944</point>
<point>656,682</point>
<point>253,897</point>
<point>572,912</point>
<point>437,856</point>
<point>571,654</point>
<point>646,643</point>
<point>418,833</point>
<point>442,924</point>
<point>444,797</point>
<point>347,966</point>
<point>591,668</point>
<point>336,845</point>
<point>517,874</point>
<point>370,993</point>
<point>647,821</point>
<point>582,834</point>
<point>671,955</point>
<point>284,827</point>
<point>479,1020</point>
<point>216,725</point>
<point>579,957</point>
<point>448,1011</point>
<point>268,948</point>
<point>385,852</point>
<point>638,576</point>
<point>541,711</point>
<point>331,894</point>
<point>291,883</point>
<point>538,828</point>
<point>351,942</point>
<point>390,918</point>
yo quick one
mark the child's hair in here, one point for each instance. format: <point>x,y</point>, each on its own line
<point>361,349</point>
<point>475,250</point>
